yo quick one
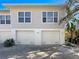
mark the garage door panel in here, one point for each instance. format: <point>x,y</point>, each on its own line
<point>50,37</point>
<point>47,37</point>
<point>25,37</point>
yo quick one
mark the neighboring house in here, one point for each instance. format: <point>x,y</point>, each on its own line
<point>32,24</point>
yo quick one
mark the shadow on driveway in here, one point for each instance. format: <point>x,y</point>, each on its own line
<point>39,52</point>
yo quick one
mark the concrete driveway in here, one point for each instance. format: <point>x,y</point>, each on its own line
<point>39,52</point>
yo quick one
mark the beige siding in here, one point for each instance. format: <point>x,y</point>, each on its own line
<point>40,32</point>
<point>4,12</point>
<point>36,16</point>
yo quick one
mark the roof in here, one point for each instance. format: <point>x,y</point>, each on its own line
<point>7,10</point>
<point>33,4</point>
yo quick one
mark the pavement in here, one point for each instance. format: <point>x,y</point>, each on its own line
<point>39,52</point>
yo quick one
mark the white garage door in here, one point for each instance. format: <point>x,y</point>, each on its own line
<point>4,35</point>
<point>25,37</point>
<point>50,37</point>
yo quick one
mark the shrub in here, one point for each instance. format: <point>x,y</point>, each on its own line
<point>77,32</point>
<point>9,43</point>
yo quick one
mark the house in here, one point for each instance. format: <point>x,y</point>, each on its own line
<point>32,24</point>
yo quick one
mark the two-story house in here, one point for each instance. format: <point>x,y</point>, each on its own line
<point>36,24</point>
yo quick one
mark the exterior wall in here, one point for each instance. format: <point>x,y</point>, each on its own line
<point>5,34</point>
<point>36,25</point>
<point>5,26</point>
<point>38,35</point>
<point>12,33</point>
<point>62,36</point>
<point>5,12</point>
<point>36,17</point>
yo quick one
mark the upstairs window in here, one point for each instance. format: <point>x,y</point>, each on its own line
<point>4,19</point>
<point>8,20</point>
<point>55,16</point>
<point>50,17</point>
<point>44,16</point>
<point>27,17</point>
<point>24,17</point>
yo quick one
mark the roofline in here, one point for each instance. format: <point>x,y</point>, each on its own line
<point>4,10</point>
<point>18,4</point>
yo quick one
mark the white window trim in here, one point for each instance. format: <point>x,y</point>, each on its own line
<point>24,17</point>
<point>5,19</point>
<point>53,17</point>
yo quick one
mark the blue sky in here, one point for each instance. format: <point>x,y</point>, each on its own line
<point>33,1</point>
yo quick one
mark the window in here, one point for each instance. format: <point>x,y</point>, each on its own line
<point>21,16</point>
<point>24,17</point>
<point>27,16</point>
<point>44,16</point>
<point>50,16</point>
<point>7,19</point>
<point>55,16</point>
<point>4,19</point>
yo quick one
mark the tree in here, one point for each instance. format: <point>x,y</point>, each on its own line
<point>71,12</point>
<point>70,27</point>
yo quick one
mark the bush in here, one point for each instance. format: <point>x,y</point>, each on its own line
<point>77,32</point>
<point>9,43</point>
